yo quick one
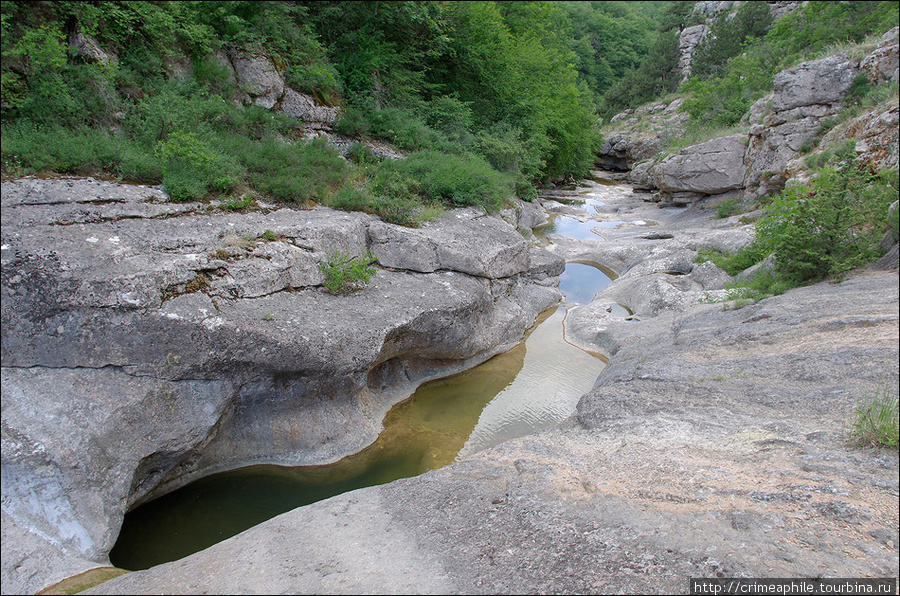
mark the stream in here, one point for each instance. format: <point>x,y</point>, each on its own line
<point>533,386</point>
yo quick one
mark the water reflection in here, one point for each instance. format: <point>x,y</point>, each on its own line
<point>423,433</point>
<point>579,282</point>
<point>553,378</point>
<point>569,226</point>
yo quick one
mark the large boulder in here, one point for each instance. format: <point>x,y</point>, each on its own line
<point>447,245</point>
<point>803,97</point>
<point>709,168</point>
<point>817,82</point>
<point>303,107</point>
<point>639,134</point>
<point>146,343</point>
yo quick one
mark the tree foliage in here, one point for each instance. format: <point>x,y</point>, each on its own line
<point>730,75</point>
<point>727,37</point>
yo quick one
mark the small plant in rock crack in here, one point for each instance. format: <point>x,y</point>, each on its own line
<point>876,419</point>
<point>345,273</point>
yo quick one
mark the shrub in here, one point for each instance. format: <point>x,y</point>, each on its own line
<point>350,198</point>
<point>191,169</point>
<point>235,204</point>
<point>828,227</point>
<point>292,172</point>
<point>397,209</point>
<point>727,208</point>
<point>819,230</point>
<point>456,181</point>
<point>345,273</point>
<point>359,153</point>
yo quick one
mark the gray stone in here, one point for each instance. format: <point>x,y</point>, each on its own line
<point>446,244</point>
<point>688,40</point>
<point>710,445</point>
<point>259,77</point>
<point>823,81</point>
<point>883,64</point>
<point>141,351</point>
<point>303,107</point>
<point>87,48</point>
<point>712,167</point>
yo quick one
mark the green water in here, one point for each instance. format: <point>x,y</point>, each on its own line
<point>423,433</point>
<point>532,386</point>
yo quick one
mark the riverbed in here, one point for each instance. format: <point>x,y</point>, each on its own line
<point>533,386</point>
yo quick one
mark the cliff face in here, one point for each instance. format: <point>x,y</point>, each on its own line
<point>146,343</point>
<point>691,37</point>
<point>778,127</point>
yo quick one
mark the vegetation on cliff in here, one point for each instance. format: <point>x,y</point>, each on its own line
<point>138,90</point>
<point>736,62</point>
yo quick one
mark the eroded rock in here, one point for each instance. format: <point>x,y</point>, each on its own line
<point>146,343</point>
<point>709,168</point>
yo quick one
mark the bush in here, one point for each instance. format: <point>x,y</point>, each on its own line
<point>727,208</point>
<point>359,153</point>
<point>191,168</point>
<point>345,273</point>
<point>456,181</point>
<point>82,151</point>
<point>819,230</point>
<point>350,198</point>
<point>397,210</point>
<point>828,227</point>
<point>291,172</point>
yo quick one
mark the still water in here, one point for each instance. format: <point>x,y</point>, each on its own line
<point>534,385</point>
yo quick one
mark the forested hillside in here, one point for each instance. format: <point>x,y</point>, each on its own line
<point>488,99</point>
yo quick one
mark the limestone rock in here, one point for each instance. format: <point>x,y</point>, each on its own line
<point>142,350</point>
<point>259,77</point>
<point>876,135</point>
<point>712,167</point>
<point>446,244</point>
<point>732,417</point>
<point>883,64</point>
<point>688,40</point>
<point>88,49</point>
<point>303,107</point>
<point>824,81</point>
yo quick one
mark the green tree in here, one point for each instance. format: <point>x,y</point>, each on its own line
<point>728,35</point>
